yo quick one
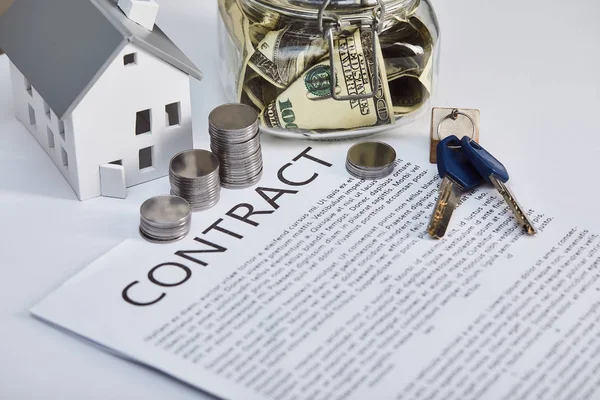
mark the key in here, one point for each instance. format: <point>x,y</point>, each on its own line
<point>495,172</point>
<point>459,176</point>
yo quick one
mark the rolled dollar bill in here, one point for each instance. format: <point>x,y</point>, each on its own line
<point>282,56</point>
<point>259,29</point>
<point>408,51</point>
<point>260,91</point>
<point>407,47</point>
<point>408,94</point>
<point>307,103</point>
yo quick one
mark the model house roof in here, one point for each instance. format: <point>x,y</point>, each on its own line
<point>63,46</point>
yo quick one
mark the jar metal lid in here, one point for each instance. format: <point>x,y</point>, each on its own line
<point>309,9</point>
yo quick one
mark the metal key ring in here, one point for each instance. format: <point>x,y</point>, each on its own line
<point>454,116</point>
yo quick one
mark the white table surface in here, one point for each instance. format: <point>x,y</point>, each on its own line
<point>530,66</point>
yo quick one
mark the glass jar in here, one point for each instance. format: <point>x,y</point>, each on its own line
<point>283,57</point>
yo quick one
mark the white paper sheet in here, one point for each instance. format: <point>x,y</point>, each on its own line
<point>332,290</point>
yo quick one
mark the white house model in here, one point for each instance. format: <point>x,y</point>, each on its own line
<point>102,89</point>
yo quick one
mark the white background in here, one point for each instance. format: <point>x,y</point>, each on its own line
<point>531,67</point>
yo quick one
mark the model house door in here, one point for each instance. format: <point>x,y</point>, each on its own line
<point>112,181</point>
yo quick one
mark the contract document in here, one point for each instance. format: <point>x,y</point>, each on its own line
<point>315,285</point>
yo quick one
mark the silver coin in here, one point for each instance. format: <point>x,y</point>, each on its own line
<point>195,198</point>
<point>194,164</point>
<point>236,151</point>
<point>243,167</point>
<point>371,160</point>
<point>165,219</point>
<point>235,140</point>
<point>155,240</point>
<point>165,210</point>
<point>245,183</point>
<point>205,204</point>
<point>233,175</point>
<point>233,117</point>
<point>233,122</point>
<point>194,175</point>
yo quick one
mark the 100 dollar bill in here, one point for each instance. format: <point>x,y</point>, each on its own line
<point>308,103</point>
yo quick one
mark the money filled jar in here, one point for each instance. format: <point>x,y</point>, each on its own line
<point>326,69</point>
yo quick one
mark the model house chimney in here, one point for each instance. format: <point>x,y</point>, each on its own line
<point>142,12</point>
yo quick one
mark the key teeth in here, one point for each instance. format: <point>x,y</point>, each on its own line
<point>438,215</point>
<point>520,215</point>
<point>449,195</point>
<point>531,230</point>
<point>435,235</point>
<point>436,220</point>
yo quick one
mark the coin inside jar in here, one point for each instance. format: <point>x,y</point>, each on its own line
<point>165,219</point>
<point>371,160</point>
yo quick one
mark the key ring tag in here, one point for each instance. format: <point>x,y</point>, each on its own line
<point>452,121</point>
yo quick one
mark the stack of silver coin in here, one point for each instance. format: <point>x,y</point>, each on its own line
<point>165,219</point>
<point>371,160</point>
<point>235,139</point>
<point>194,175</point>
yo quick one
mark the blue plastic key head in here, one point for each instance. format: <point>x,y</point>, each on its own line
<point>485,163</point>
<point>453,164</point>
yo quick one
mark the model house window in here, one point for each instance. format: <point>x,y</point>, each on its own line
<point>143,122</point>
<point>65,157</point>
<point>50,137</point>
<point>47,110</point>
<point>173,114</point>
<point>28,87</point>
<point>31,116</point>
<point>130,59</point>
<point>146,158</point>
<point>61,129</point>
